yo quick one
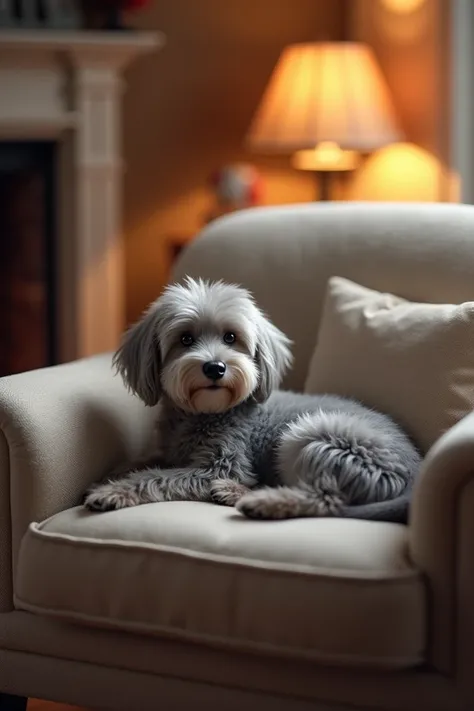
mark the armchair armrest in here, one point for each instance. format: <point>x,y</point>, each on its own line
<point>61,428</point>
<point>442,545</point>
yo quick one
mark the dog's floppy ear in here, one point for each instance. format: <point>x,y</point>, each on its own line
<point>138,360</point>
<point>273,358</point>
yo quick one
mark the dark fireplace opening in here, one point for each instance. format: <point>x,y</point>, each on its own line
<point>27,256</point>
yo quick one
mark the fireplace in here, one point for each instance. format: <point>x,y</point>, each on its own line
<point>61,254</point>
<point>28,333</point>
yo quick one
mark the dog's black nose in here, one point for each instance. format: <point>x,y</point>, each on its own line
<point>214,369</point>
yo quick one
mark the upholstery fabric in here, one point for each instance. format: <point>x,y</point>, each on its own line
<point>336,590</point>
<point>441,536</point>
<point>60,429</point>
<point>412,360</point>
<point>103,669</point>
<point>63,427</point>
<point>287,254</point>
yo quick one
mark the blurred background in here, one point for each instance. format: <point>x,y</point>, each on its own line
<point>126,126</point>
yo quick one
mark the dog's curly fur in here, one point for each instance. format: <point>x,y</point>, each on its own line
<point>232,437</point>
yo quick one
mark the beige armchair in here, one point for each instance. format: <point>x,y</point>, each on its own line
<point>189,606</point>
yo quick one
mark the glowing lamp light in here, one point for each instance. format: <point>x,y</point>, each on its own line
<point>326,102</point>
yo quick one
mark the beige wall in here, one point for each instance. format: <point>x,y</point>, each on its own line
<point>186,112</point>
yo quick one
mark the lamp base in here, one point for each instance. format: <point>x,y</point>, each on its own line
<point>325,159</point>
<point>325,181</point>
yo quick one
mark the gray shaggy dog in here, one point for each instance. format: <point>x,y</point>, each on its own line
<point>213,362</point>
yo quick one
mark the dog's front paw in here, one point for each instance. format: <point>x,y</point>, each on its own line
<point>227,492</point>
<point>110,497</point>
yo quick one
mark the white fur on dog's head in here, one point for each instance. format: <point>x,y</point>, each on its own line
<point>152,357</point>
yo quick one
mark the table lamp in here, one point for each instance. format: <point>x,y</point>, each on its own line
<point>326,103</point>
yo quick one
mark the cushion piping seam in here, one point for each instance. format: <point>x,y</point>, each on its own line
<point>210,558</point>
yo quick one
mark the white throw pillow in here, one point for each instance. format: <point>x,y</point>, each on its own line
<point>414,361</point>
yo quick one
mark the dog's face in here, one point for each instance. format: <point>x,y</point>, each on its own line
<point>207,346</point>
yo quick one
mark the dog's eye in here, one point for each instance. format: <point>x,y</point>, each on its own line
<point>229,337</point>
<point>187,339</point>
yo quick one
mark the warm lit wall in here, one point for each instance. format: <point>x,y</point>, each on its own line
<point>411,40</point>
<point>186,112</point>
<point>187,109</point>
<point>403,172</point>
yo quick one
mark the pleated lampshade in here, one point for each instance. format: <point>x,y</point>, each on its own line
<point>330,93</point>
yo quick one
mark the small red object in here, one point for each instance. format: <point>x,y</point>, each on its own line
<point>129,5</point>
<point>135,4</point>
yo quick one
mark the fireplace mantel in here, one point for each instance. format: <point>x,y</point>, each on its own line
<point>67,86</point>
<point>112,49</point>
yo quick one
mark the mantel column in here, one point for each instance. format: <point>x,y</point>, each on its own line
<point>98,195</point>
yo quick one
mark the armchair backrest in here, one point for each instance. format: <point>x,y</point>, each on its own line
<point>285,255</point>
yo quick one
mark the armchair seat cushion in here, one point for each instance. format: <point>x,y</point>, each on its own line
<point>338,591</point>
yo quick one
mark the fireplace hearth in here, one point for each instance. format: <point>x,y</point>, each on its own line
<point>61,165</point>
<point>27,256</point>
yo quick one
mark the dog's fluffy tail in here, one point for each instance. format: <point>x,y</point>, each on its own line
<point>394,510</point>
<point>349,464</point>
